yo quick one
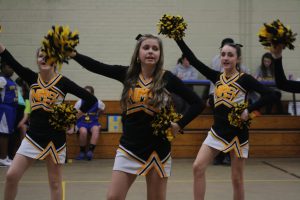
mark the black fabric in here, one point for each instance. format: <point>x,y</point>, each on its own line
<point>137,134</point>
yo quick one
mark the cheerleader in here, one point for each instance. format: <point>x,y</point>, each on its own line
<point>42,141</point>
<point>147,89</point>
<point>231,88</point>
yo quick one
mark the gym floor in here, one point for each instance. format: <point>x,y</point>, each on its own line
<point>267,179</point>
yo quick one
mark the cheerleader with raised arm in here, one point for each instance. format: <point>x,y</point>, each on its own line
<point>147,88</point>
<point>43,141</point>
<point>229,132</point>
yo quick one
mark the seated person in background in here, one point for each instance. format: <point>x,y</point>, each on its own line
<point>88,123</point>
<point>184,71</point>
<point>265,72</point>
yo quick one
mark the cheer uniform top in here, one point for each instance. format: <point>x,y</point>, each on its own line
<point>90,118</point>
<point>42,97</point>
<point>8,104</point>
<point>138,139</point>
<point>227,93</point>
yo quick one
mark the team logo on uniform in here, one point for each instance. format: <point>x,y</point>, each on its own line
<point>228,92</point>
<point>45,95</point>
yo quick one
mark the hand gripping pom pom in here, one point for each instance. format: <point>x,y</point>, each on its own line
<point>63,116</point>
<point>234,117</point>
<point>276,33</point>
<point>58,44</point>
<point>172,26</point>
<point>162,122</point>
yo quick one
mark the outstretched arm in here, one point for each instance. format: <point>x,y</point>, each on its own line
<point>212,75</point>
<point>25,73</point>
<point>117,72</point>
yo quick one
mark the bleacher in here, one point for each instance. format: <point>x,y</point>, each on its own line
<point>270,136</point>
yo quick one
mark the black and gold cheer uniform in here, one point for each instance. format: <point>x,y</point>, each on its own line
<point>138,140</point>
<point>43,96</point>
<point>229,91</point>
<point>281,81</point>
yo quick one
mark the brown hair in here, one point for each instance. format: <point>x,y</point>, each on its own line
<point>158,86</point>
<point>90,88</point>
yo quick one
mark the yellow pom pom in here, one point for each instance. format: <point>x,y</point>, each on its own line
<point>234,117</point>
<point>58,44</point>
<point>276,33</point>
<point>162,122</point>
<point>63,116</point>
<point>172,26</point>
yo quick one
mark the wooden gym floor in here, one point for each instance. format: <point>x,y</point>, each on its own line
<point>267,179</point>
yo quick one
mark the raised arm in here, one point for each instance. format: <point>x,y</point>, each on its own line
<point>117,72</point>
<point>280,78</point>
<point>210,74</point>
<point>25,73</point>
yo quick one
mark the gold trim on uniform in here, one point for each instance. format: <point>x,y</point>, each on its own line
<point>50,149</point>
<point>44,152</point>
<point>139,97</point>
<point>51,83</point>
<point>45,95</point>
<point>131,155</point>
<point>143,83</point>
<point>34,144</point>
<point>227,91</point>
<point>153,161</point>
<point>141,107</point>
<point>234,144</point>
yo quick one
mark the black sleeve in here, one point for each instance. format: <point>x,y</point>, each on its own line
<point>73,88</point>
<point>117,72</point>
<point>25,73</point>
<point>267,95</point>
<point>209,73</point>
<point>281,81</point>
<point>175,85</point>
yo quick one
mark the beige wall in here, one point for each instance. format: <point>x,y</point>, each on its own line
<point>108,28</point>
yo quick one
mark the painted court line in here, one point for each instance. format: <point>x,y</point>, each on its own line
<point>281,169</point>
<point>169,181</point>
<point>64,190</point>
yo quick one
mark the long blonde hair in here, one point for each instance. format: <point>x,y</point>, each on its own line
<point>134,70</point>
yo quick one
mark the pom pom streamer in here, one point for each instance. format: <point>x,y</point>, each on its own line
<point>234,116</point>
<point>63,116</point>
<point>276,33</point>
<point>162,122</point>
<point>58,43</point>
<point>172,26</point>
<point>0,28</point>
